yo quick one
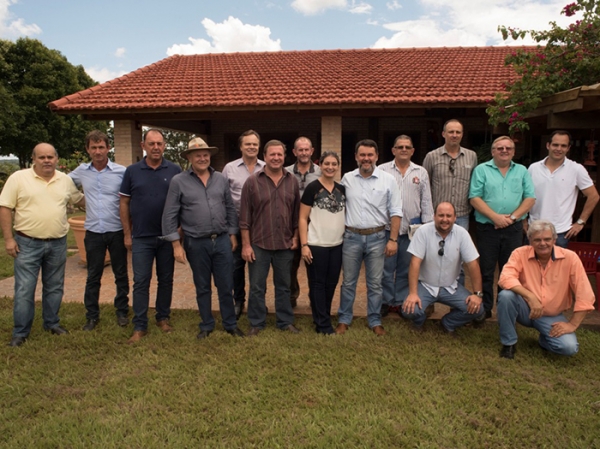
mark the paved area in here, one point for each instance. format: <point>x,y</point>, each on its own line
<point>184,295</point>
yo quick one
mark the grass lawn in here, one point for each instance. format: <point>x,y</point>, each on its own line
<point>279,390</point>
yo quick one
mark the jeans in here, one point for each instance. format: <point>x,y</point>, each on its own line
<point>512,308</point>
<point>95,249</point>
<point>395,273</point>
<point>495,246</point>
<point>50,256</point>
<point>463,221</point>
<point>294,284</point>
<point>281,260</point>
<point>458,315</point>
<point>323,277</point>
<point>239,274</point>
<point>144,251</point>
<point>207,256</point>
<point>357,248</point>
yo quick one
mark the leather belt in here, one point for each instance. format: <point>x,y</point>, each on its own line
<point>22,234</point>
<point>366,231</point>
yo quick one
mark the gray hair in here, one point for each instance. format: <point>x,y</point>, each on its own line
<point>538,226</point>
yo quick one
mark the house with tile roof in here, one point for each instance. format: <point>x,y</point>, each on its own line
<point>334,97</point>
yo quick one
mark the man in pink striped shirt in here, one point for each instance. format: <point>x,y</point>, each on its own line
<point>539,283</point>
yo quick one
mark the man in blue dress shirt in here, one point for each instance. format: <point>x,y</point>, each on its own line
<point>101,180</point>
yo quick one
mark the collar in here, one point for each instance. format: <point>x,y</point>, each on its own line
<point>311,168</point>
<point>192,172</point>
<point>460,151</point>
<point>491,163</point>
<point>145,165</point>
<point>89,166</point>
<point>557,253</point>
<point>258,162</point>
<point>375,173</point>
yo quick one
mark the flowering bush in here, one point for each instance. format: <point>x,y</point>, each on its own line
<point>569,58</point>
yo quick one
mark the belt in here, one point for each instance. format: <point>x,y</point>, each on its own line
<point>212,236</point>
<point>366,231</point>
<point>22,234</point>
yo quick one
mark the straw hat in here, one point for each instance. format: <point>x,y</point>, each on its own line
<point>198,144</point>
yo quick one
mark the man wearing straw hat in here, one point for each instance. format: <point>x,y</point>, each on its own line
<point>200,202</point>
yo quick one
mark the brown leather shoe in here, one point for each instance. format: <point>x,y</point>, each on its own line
<point>378,330</point>
<point>341,329</point>
<point>293,329</point>
<point>137,336</point>
<point>253,332</point>
<point>164,326</point>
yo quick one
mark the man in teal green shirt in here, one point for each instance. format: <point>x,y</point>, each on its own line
<point>501,193</point>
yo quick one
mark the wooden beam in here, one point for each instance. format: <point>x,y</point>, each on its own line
<point>571,121</point>
<point>560,97</point>
<point>572,105</point>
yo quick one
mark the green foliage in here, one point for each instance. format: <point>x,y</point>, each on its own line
<point>175,143</point>
<point>31,76</point>
<point>67,165</point>
<point>570,58</point>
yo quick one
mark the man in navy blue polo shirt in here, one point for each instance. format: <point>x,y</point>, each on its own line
<point>143,195</point>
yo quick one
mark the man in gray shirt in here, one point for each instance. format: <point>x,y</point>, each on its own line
<point>305,172</point>
<point>200,202</point>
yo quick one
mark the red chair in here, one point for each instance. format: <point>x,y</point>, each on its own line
<point>589,254</point>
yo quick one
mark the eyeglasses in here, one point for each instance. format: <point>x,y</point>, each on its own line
<point>403,147</point>
<point>442,243</point>
<point>452,166</point>
<point>504,148</point>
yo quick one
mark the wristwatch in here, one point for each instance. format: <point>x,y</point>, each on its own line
<point>478,294</point>
<point>580,222</point>
<point>512,217</point>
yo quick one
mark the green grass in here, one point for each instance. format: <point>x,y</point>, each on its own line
<point>282,390</point>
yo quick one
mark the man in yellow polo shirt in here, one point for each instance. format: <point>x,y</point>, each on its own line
<point>39,197</point>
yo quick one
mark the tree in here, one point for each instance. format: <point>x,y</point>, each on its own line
<point>31,76</point>
<point>175,143</point>
<point>569,58</point>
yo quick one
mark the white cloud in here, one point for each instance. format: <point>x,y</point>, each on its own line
<point>120,52</point>
<point>311,7</point>
<point>229,36</point>
<point>466,23</point>
<point>13,28</point>
<point>372,22</point>
<point>393,5</point>
<point>361,8</point>
<point>102,74</point>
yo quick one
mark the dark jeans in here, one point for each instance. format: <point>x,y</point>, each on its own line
<point>281,260</point>
<point>95,249</point>
<point>495,247</point>
<point>294,284</point>
<point>144,251</point>
<point>239,274</point>
<point>323,277</point>
<point>207,256</point>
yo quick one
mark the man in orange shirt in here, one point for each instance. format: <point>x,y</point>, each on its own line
<point>539,282</point>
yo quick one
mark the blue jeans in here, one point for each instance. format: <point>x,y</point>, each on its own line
<point>95,249</point>
<point>207,256</point>
<point>49,256</point>
<point>458,315</point>
<point>495,247</point>
<point>144,251</point>
<point>463,221</point>
<point>395,273</point>
<point>323,277</point>
<point>512,308</point>
<point>281,260</point>
<point>357,248</point>
<point>239,274</point>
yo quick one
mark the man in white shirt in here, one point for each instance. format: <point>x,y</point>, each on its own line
<point>557,181</point>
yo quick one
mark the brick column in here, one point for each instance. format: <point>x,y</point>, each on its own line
<point>127,142</point>
<point>331,136</point>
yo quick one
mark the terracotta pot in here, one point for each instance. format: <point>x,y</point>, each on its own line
<point>76,224</point>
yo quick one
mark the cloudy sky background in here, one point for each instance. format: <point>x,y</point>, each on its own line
<point>114,37</point>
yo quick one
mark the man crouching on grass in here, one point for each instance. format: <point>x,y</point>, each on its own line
<point>539,282</point>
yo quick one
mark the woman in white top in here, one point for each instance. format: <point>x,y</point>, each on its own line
<point>321,228</point>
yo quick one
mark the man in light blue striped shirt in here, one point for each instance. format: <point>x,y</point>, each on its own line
<point>101,180</point>
<point>417,208</point>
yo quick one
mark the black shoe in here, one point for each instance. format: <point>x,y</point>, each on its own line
<point>57,330</point>
<point>202,335</point>
<point>122,320</point>
<point>448,332</point>
<point>239,308</point>
<point>508,352</point>
<point>385,310</point>
<point>90,325</point>
<point>17,341</point>
<point>253,331</point>
<point>236,332</point>
<point>480,320</point>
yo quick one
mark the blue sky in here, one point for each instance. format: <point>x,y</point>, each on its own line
<point>110,38</point>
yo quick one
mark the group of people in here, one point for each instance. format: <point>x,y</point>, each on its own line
<point>409,224</point>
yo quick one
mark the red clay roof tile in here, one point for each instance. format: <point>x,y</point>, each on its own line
<point>325,78</point>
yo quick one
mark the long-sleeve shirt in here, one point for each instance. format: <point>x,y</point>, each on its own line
<point>553,286</point>
<point>200,210</point>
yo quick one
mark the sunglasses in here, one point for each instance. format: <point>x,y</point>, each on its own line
<point>442,243</point>
<point>452,165</point>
